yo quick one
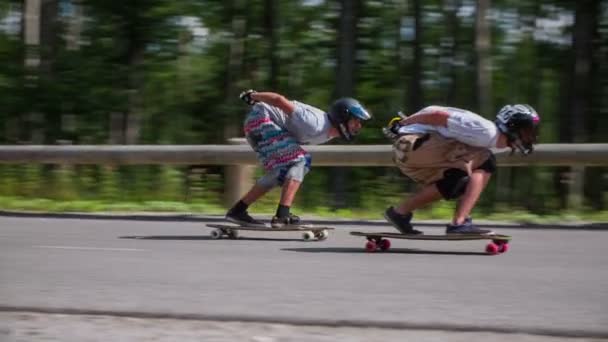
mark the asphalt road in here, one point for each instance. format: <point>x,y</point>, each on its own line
<point>551,282</point>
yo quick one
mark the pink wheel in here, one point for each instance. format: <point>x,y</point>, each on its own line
<point>370,246</point>
<point>492,248</point>
<point>384,244</point>
<point>503,248</point>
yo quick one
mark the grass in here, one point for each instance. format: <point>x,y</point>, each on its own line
<point>95,189</point>
<point>441,211</point>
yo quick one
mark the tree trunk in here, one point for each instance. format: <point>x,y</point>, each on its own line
<point>528,178</point>
<point>49,32</point>
<point>270,13</point>
<point>345,81</point>
<point>135,52</point>
<point>31,32</point>
<point>596,181</point>
<point>561,174</point>
<point>416,100</point>
<point>41,124</point>
<point>31,37</point>
<point>400,51</point>
<point>75,26</point>
<point>484,63</point>
<point>451,8</point>
<point>347,40</point>
<point>484,88</point>
<point>234,118</point>
<point>585,26</point>
<point>236,56</point>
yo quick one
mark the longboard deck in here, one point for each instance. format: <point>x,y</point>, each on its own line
<point>377,240</point>
<point>270,229</point>
<point>443,237</point>
<point>231,231</point>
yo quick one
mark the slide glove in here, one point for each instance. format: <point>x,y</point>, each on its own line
<point>246,97</point>
<point>391,131</point>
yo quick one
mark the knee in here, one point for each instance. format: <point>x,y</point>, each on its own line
<point>453,184</point>
<point>268,181</point>
<point>296,172</point>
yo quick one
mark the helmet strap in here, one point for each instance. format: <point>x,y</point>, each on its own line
<point>517,144</point>
<point>344,132</point>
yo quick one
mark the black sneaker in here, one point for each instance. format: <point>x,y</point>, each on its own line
<point>283,222</point>
<point>244,219</point>
<point>466,227</point>
<point>401,222</point>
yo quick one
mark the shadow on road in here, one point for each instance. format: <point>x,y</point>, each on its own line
<point>391,251</point>
<point>202,238</point>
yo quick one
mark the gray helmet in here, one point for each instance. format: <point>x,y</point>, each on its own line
<point>343,110</point>
<point>520,123</point>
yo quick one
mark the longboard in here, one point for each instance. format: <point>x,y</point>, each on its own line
<point>379,240</point>
<point>231,231</point>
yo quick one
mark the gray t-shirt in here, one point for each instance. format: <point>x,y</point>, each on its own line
<point>308,124</point>
<point>463,125</point>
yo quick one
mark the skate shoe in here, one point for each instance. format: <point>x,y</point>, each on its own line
<point>285,222</point>
<point>244,219</point>
<point>466,227</point>
<point>401,222</point>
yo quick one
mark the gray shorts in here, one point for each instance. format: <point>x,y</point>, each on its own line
<point>275,177</point>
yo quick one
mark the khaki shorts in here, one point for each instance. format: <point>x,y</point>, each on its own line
<point>425,157</point>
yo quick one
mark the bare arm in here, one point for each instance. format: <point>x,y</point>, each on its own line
<point>276,100</point>
<point>431,116</point>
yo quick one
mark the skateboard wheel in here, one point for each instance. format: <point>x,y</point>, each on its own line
<point>370,246</point>
<point>233,234</point>
<point>384,244</point>
<point>492,248</point>
<point>216,234</point>
<point>308,236</point>
<point>503,248</point>
<point>322,235</point>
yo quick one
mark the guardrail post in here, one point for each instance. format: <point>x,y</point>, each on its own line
<point>238,178</point>
<point>576,187</point>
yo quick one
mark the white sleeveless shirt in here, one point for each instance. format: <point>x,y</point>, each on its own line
<point>463,125</point>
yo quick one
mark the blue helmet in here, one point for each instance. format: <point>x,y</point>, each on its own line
<point>343,110</point>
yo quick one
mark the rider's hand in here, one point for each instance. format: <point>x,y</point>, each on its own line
<point>392,130</point>
<point>246,97</point>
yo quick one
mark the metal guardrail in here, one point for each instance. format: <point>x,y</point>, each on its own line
<point>240,160</point>
<point>326,155</point>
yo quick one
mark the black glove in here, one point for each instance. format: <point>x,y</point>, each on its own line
<point>390,133</point>
<point>246,97</point>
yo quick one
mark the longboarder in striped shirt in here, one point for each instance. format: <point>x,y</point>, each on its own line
<point>276,128</point>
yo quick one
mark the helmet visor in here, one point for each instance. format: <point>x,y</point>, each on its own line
<point>360,113</point>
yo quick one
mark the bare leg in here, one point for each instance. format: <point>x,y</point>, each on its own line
<point>478,181</point>
<point>255,193</point>
<point>288,192</point>
<point>283,217</point>
<point>428,194</point>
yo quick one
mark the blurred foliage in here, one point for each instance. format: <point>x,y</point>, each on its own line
<point>168,72</point>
